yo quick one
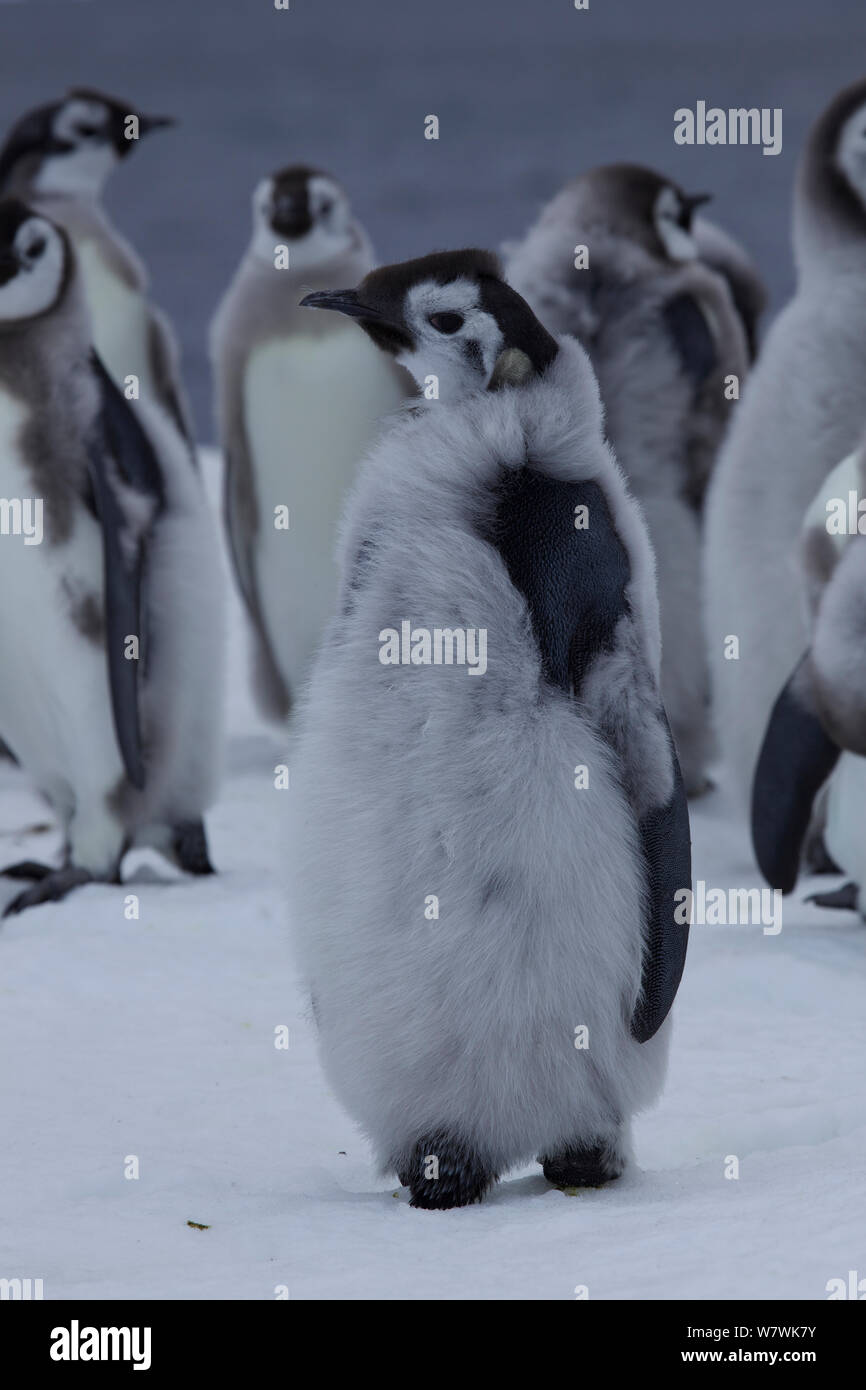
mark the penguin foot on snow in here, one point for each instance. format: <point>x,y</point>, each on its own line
<point>51,887</point>
<point>817,858</point>
<point>443,1172</point>
<point>590,1165</point>
<point>189,843</point>
<point>845,897</point>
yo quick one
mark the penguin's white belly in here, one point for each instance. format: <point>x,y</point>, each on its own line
<point>845,833</point>
<point>55,708</point>
<point>312,406</point>
<point>121,320</point>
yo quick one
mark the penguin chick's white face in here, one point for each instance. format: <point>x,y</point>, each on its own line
<point>449,318</point>
<point>87,156</point>
<point>32,264</point>
<point>454,339</point>
<point>851,152</point>
<point>669,215</point>
<point>306,211</point>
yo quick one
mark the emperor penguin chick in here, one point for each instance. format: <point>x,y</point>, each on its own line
<point>57,158</point>
<point>111,696</point>
<point>665,336</point>
<point>486,920</point>
<point>815,742</point>
<point>803,409</point>
<point>299,398</point>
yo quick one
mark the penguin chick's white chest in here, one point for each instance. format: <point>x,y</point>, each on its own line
<point>55,708</point>
<point>311,408</point>
<point>120,317</point>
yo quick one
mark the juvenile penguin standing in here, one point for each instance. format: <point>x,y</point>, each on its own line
<point>489,824</point>
<point>815,741</point>
<point>803,409</point>
<point>300,397</point>
<point>57,158</point>
<point>112,623</point>
<point>613,260</point>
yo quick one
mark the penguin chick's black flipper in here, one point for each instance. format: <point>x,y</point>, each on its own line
<point>667,851</point>
<point>574,582</point>
<point>691,336</point>
<point>121,456</point>
<point>795,761</point>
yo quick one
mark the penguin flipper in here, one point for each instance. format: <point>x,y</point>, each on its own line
<point>667,847</point>
<point>240,517</point>
<point>795,760</point>
<point>123,462</point>
<point>574,582</point>
<point>690,334</point>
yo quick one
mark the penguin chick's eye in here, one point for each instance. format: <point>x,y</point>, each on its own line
<point>86,131</point>
<point>326,207</point>
<point>35,249</point>
<point>446,323</point>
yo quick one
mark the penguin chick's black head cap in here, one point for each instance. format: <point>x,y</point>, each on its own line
<point>397,304</point>
<point>821,180</point>
<point>35,132</point>
<point>292,215</point>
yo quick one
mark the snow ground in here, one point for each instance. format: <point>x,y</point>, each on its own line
<point>155,1038</point>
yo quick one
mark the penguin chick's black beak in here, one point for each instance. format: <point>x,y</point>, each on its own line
<point>146,124</point>
<point>693,201</point>
<point>390,337</point>
<point>343,301</point>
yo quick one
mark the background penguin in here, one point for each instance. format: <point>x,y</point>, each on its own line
<point>57,159</point>
<point>126,750</point>
<point>803,409</point>
<point>464,919</point>
<point>816,737</point>
<point>663,331</point>
<point>299,399</point>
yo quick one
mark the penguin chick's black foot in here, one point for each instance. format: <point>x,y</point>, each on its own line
<point>590,1165</point>
<point>816,856</point>
<point>28,868</point>
<point>50,889</point>
<point>443,1172</point>
<point>846,897</point>
<point>189,843</point>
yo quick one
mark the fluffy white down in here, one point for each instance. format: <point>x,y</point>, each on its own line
<point>413,781</point>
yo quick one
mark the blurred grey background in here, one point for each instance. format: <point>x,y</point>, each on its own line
<point>527,93</point>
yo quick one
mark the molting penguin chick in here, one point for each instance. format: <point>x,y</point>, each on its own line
<point>299,399</point>
<point>112,691</point>
<point>489,935</point>
<point>802,410</point>
<point>57,158</point>
<point>815,742</point>
<point>663,333</point>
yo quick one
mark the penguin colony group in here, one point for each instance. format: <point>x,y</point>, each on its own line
<point>583,452</point>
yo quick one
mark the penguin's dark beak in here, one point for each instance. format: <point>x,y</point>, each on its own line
<point>9,266</point>
<point>146,124</point>
<point>391,337</point>
<point>695,200</point>
<point>343,301</point>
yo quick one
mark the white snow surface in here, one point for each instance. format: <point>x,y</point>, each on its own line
<point>155,1038</point>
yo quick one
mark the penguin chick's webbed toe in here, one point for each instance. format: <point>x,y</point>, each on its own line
<point>50,889</point>
<point>590,1165</point>
<point>189,843</point>
<point>443,1172</point>
<point>846,897</point>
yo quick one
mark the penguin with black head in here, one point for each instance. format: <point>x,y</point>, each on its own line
<point>484,854</point>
